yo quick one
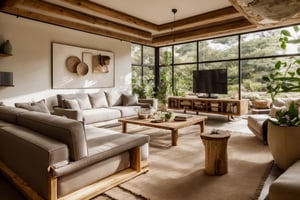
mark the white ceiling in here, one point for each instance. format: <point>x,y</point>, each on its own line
<point>159,11</point>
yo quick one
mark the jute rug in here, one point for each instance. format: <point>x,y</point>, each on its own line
<point>177,172</point>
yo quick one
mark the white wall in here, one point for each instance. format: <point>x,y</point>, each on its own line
<point>31,60</point>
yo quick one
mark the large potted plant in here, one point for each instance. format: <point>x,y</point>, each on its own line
<point>284,131</point>
<point>284,136</point>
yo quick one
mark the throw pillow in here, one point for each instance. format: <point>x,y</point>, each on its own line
<point>39,106</point>
<point>129,100</point>
<point>98,100</point>
<point>274,110</point>
<point>84,102</point>
<point>71,104</point>
<point>114,98</point>
<point>261,104</point>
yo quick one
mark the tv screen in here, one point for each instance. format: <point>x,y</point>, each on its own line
<point>212,81</point>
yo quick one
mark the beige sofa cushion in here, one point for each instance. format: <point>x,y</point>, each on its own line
<point>72,104</point>
<point>82,99</point>
<point>286,186</point>
<point>68,131</point>
<point>100,114</point>
<point>114,98</point>
<point>84,102</point>
<point>39,106</point>
<point>9,114</point>
<point>98,100</point>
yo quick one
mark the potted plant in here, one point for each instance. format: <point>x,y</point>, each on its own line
<point>284,136</point>
<point>140,90</point>
<point>285,76</point>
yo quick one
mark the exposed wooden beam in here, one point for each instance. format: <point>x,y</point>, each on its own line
<point>216,29</point>
<point>206,18</point>
<point>241,10</point>
<point>73,25</point>
<point>62,11</point>
<point>9,3</point>
<point>112,13</point>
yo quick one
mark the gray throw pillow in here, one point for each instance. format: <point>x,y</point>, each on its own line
<point>129,100</point>
<point>39,106</point>
<point>98,100</point>
<point>71,104</point>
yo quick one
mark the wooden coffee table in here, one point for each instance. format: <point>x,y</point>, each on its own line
<point>170,125</point>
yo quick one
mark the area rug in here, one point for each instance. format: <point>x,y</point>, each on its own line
<point>177,172</point>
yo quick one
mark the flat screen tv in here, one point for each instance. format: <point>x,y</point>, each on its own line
<point>209,82</point>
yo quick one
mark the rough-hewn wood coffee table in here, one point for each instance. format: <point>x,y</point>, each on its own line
<point>170,125</point>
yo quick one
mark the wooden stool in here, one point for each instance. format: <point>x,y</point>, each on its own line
<point>215,144</point>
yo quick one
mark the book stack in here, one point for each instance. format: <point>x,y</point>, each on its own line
<point>182,117</point>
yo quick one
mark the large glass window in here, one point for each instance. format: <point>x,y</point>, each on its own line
<point>142,78</point>
<point>183,79</point>
<point>218,49</point>
<point>185,53</point>
<point>250,60</point>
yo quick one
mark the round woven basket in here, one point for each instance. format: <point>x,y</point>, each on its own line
<point>82,69</point>
<point>71,63</point>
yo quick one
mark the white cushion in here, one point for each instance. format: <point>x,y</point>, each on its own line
<point>98,100</point>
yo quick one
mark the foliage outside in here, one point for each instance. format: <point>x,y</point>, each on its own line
<point>162,89</point>
<point>285,76</point>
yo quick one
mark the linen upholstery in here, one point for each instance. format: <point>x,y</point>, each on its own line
<point>98,100</point>
<point>59,147</point>
<point>100,114</point>
<point>104,106</point>
<point>39,106</point>
<point>72,104</point>
<point>9,114</point>
<point>126,111</point>
<point>129,100</point>
<point>68,131</point>
<point>114,98</point>
<point>287,185</point>
<point>24,149</point>
<point>90,174</point>
<point>84,102</point>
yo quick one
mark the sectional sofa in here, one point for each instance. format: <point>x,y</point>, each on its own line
<point>53,157</point>
<point>94,108</point>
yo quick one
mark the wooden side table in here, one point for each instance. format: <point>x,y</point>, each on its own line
<point>215,144</point>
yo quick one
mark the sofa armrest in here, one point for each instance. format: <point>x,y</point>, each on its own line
<point>69,113</point>
<point>153,102</point>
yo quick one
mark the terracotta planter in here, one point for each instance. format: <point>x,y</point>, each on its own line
<point>284,144</point>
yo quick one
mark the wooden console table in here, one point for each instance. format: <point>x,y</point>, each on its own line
<point>221,106</point>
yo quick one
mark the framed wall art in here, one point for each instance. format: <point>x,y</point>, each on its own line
<point>77,67</point>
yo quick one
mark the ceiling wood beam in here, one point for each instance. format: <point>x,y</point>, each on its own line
<point>216,29</point>
<point>241,10</point>
<point>206,18</point>
<point>48,7</point>
<point>112,13</point>
<point>9,3</point>
<point>73,25</point>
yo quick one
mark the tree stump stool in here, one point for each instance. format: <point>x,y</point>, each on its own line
<point>215,144</point>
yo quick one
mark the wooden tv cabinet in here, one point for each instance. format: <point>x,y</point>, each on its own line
<point>221,106</point>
